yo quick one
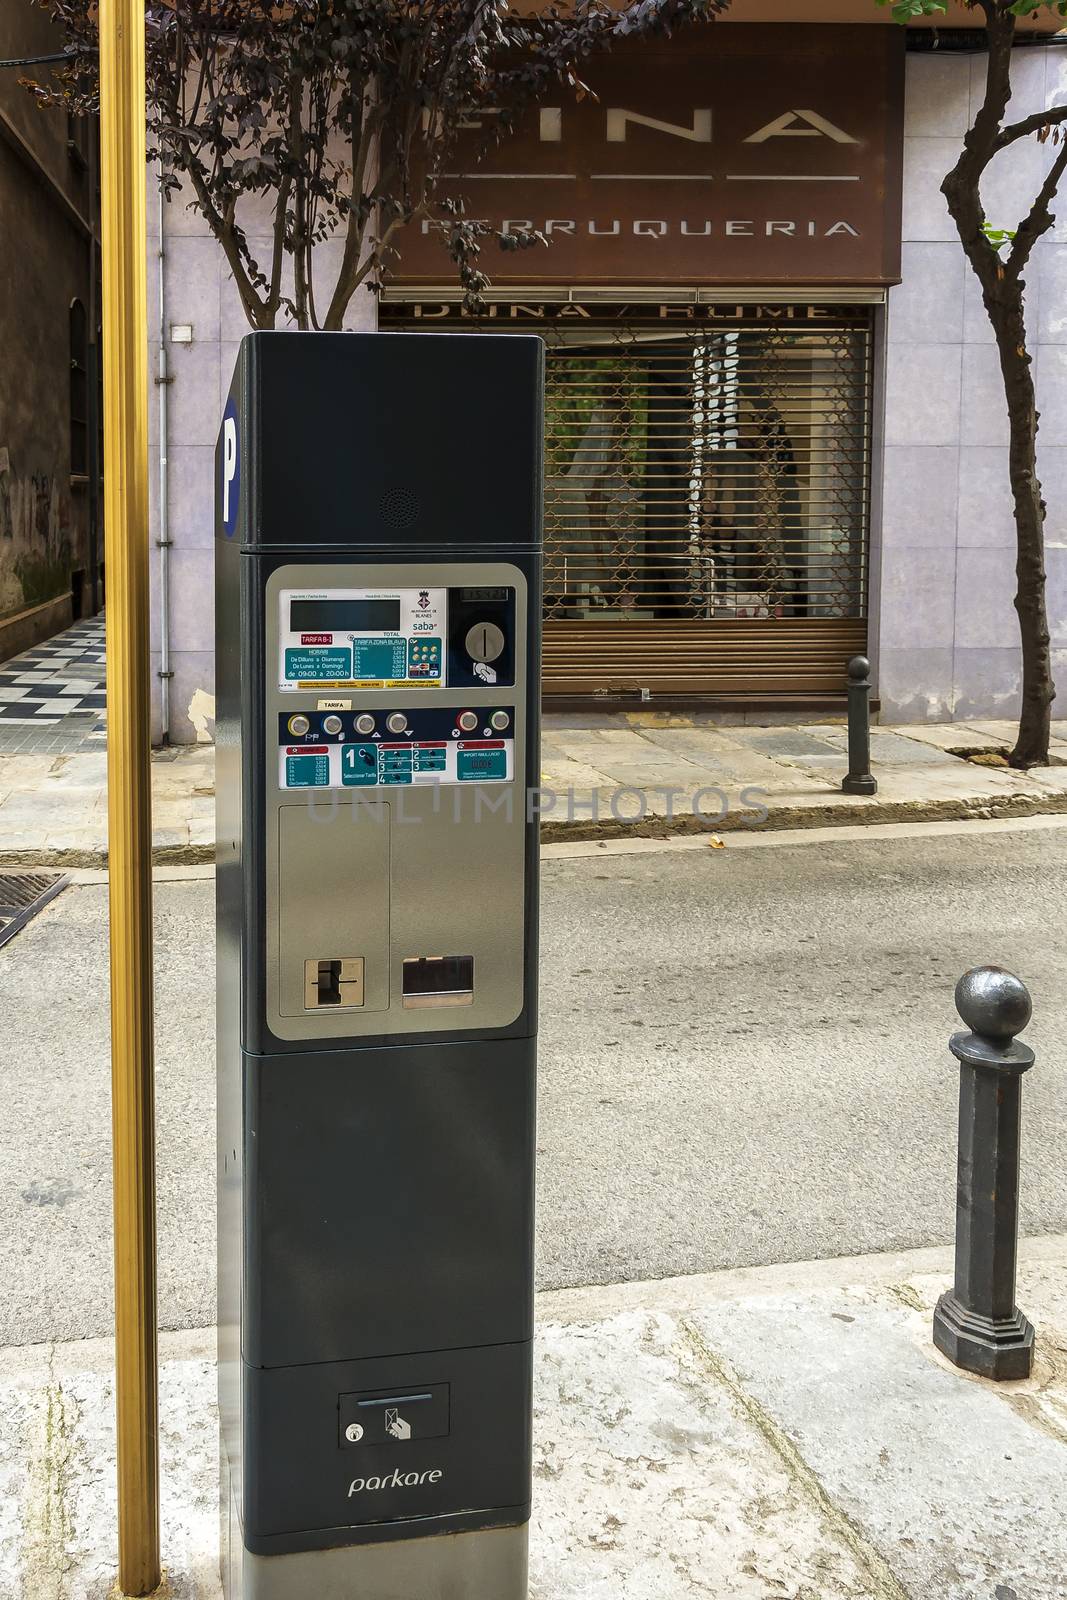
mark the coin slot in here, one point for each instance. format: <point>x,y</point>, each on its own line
<point>438,981</point>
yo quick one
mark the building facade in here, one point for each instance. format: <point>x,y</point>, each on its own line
<point>775,429</point>
<point>51,564</point>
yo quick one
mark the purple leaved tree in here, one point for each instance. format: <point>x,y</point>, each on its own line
<point>338,120</point>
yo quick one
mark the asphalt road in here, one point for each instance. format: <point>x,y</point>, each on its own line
<point>742,1061</point>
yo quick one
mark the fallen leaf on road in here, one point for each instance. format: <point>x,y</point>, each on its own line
<point>715,843</point>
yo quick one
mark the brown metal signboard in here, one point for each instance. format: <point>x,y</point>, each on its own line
<point>724,156</point>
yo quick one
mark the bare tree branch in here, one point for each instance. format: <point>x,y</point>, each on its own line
<point>1037,123</point>
<point>1040,217</point>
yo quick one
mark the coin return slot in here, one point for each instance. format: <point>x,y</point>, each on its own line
<point>334,981</point>
<point>439,981</point>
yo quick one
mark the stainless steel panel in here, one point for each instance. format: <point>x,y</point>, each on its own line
<point>456,866</point>
<point>333,899</point>
<point>492,1564</point>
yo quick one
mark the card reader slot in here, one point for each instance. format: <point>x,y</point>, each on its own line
<point>438,981</point>
<point>396,1400</point>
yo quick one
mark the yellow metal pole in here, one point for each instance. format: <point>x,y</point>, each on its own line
<point>122,168</point>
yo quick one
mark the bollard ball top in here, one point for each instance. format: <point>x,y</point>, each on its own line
<point>993,1003</point>
<point>859,668</point>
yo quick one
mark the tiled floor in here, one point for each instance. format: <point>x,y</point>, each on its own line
<point>52,697</point>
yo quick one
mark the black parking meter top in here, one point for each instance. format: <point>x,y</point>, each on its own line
<point>300,401</point>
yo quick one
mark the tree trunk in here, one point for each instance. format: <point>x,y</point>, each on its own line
<point>1038,690</point>
<point>1003,291</point>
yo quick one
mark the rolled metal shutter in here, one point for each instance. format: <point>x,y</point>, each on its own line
<point>707,491</point>
<point>706,507</point>
<point>795,660</point>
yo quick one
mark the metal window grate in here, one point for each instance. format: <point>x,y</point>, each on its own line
<point>708,474</point>
<point>22,895</point>
<point>707,490</point>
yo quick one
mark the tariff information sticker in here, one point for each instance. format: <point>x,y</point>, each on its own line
<point>366,638</point>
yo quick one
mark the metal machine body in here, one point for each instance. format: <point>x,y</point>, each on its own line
<point>378,626</point>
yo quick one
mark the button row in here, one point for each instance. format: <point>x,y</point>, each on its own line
<point>467,721</point>
<point>395,722</point>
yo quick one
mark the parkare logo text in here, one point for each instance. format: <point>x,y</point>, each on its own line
<point>395,1480</point>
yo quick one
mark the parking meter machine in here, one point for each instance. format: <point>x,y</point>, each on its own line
<point>378,541</point>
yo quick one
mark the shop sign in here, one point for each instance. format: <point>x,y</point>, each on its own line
<point>723,156</point>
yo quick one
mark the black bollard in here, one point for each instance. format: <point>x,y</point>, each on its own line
<point>977,1324</point>
<point>859,779</point>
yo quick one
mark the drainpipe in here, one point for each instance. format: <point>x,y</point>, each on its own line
<point>163,542</point>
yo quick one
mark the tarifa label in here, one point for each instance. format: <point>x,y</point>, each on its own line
<point>334,705</point>
<point>395,1480</point>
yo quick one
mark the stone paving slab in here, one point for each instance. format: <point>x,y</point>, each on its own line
<point>780,1433</point>
<point>996,732</point>
<point>946,736</point>
<point>1053,778</point>
<point>889,748</point>
<point>952,1482</point>
<point>724,755</point>
<point>793,743</point>
<point>604,773</point>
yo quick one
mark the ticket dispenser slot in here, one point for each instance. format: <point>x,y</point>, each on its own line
<point>438,981</point>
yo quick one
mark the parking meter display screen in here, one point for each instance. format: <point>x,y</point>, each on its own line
<point>353,616</point>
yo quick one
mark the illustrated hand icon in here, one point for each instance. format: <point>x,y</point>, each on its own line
<point>395,1424</point>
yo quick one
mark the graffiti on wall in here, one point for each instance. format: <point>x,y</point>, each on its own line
<point>36,520</point>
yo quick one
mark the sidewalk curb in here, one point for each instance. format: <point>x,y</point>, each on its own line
<point>162,856</point>
<point>826,815</point>
<point>863,812</point>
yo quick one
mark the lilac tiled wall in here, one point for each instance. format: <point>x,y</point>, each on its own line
<point>946,629</point>
<point>200,293</point>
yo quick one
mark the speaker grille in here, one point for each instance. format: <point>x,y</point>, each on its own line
<point>399,508</point>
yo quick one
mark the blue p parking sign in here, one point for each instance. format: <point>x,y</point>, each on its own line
<point>231,470</point>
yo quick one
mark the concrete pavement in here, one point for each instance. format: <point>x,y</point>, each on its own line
<point>776,1434</point>
<point>603,775</point>
<point>743,1060</point>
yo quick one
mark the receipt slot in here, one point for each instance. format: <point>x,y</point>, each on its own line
<point>378,629</point>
